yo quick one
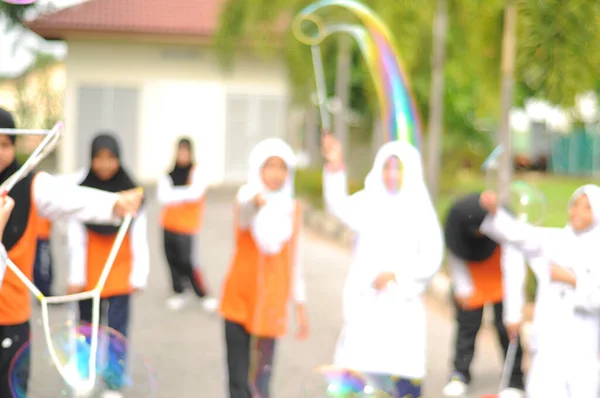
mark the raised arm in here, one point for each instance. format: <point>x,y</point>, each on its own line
<point>57,198</point>
<point>77,245</point>
<point>337,201</point>
<point>168,194</point>
<point>514,276</point>
<point>503,228</point>
<point>140,252</point>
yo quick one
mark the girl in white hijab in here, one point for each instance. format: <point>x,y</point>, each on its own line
<point>566,261</point>
<point>266,270</point>
<point>399,247</point>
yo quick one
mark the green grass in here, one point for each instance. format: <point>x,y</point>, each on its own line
<point>556,189</point>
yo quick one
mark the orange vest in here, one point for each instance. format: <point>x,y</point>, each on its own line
<point>486,277</point>
<point>15,305</point>
<point>98,249</point>
<point>257,288</point>
<point>44,228</point>
<point>183,218</point>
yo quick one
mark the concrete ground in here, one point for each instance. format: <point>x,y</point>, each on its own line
<point>185,349</point>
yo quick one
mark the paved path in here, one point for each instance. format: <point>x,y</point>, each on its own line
<point>186,348</point>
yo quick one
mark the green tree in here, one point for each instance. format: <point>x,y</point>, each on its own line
<point>15,13</point>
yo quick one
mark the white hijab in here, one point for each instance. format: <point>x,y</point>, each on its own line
<point>394,221</point>
<point>571,249</point>
<point>273,225</point>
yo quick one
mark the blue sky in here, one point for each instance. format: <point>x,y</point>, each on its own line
<point>14,58</point>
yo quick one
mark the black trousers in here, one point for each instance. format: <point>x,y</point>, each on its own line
<point>42,268</point>
<point>249,362</point>
<point>469,323</point>
<point>12,338</point>
<point>178,250</point>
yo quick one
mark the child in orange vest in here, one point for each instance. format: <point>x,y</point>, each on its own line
<point>43,269</point>
<point>40,194</point>
<point>90,245</point>
<point>182,194</point>
<point>483,272</point>
<point>266,270</point>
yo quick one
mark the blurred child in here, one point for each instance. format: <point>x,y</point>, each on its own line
<point>266,270</point>
<point>399,247</point>
<point>6,207</point>
<point>39,194</point>
<point>42,268</point>
<point>90,245</point>
<point>182,194</point>
<point>566,326</point>
<point>481,272</point>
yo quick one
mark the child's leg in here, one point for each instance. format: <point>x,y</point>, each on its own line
<point>469,322</point>
<point>118,319</point>
<point>186,264</point>
<point>85,311</point>
<point>516,377</point>
<point>237,341</point>
<point>17,336</point>
<point>172,254</point>
<point>406,388</point>
<point>261,368</point>
<point>118,313</point>
<point>42,268</point>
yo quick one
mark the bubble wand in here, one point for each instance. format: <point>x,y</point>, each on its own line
<point>398,108</point>
<point>41,152</point>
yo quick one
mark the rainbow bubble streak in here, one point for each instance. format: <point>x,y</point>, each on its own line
<point>399,113</point>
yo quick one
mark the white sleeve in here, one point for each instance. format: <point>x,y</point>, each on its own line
<point>77,244</point>
<point>56,199</point>
<point>141,252</point>
<point>169,194</point>
<point>246,208</point>
<point>514,276</point>
<point>3,262</point>
<point>460,275</point>
<point>299,282</point>
<point>503,228</point>
<point>336,198</point>
<point>587,290</point>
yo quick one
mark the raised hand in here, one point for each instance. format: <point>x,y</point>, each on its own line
<point>129,202</point>
<point>332,150</point>
<point>489,201</point>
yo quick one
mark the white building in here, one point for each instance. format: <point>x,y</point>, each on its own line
<point>146,70</point>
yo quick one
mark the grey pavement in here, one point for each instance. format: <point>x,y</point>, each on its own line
<point>186,350</point>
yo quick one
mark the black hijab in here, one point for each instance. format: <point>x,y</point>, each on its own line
<point>181,174</point>
<point>461,231</point>
<point>117,183</point>
<point>21,193</point>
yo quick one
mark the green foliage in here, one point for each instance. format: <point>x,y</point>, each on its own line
<point>21,157</point>
<point>558,48</point>
<point>15,13</point>
<point>309,185</point>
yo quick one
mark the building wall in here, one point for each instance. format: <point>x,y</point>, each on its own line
<point>183,91</point>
